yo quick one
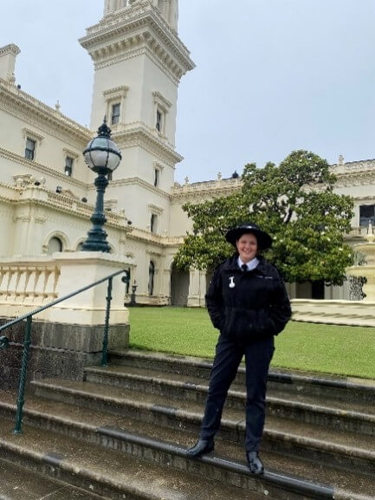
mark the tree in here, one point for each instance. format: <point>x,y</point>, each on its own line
<point>295,203</point>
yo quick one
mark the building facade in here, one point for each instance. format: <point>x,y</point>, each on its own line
<point>47,192</point>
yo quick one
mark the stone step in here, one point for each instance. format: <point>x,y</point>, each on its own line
<point>351,417</point>
<point>347,389</point>
<point>111,473</point>
<point>188,387</point>
<point>18,483</point>
<point>300,439</point>
<point>167,447</point>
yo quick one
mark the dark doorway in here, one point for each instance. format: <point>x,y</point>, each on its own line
<point>317,290</point>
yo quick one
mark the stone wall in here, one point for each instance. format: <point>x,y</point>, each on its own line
<point>57,350</point>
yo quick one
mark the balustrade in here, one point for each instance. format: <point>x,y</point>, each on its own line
<point>28,284</point>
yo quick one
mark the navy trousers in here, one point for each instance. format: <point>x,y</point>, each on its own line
<point>228,356</point>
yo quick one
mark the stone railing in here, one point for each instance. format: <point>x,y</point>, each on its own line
<point>357,232</point>
<point>133,11</point>
<point>25,284</point>
<point>206,187</point>
<point>30,283</point>
<point>354,166</point>
<point>112,19</point>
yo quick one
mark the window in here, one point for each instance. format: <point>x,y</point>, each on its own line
<point>69,166</point>
<point>159,120</point>
<point>151,277</point>
<point>115,104</point>
<point>157,174</point>
<point>161,109</point>
<point>366,215</point>
<point>154,212</point>
<point>54,245</point>
<point>30,148</point>
<point>156,177</point>
<point>153,223</point>
<point>32,143</point>
<point>115,117</point>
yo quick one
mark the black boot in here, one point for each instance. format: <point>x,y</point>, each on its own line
<point>254,463</point>
<point>202,447</point>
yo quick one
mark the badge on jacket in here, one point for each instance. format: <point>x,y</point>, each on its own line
<point>231,282</point>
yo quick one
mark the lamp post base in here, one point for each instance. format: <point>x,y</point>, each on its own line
<point>97,237</point>
<point>96,242</point>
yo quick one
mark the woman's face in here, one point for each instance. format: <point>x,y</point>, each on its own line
<point>247,247</point>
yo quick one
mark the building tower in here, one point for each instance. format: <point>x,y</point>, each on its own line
<point>139,61</point>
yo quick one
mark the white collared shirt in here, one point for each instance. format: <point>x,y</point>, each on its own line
<point>252,264</point>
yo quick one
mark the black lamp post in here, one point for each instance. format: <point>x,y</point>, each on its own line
<point>102,156</point>
<point>132,297</point>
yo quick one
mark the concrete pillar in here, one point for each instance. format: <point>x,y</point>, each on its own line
<point>78,269</point>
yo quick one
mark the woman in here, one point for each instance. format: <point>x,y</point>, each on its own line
<point>248,303</point>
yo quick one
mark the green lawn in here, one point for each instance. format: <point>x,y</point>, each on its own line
<point>342,350</point>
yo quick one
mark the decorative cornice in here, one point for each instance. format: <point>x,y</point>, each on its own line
<point>221,187</point>
<point>139,26</point>
<point>155,239</point>
<point>155,209</point>
<point>11,48</point>
<point>161,100</point>
<point>116,92</point>
<point>40,197</point>
<point>43,169</point>
<point>350,166</point>
<point>355,178</point>
<point>31,133</point>
<point>16,101</point>
<point>354,173</point>
<point>137,134</point>
<point>139,182</point>
<point>358,173</point>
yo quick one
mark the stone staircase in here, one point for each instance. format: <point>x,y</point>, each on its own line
<point>123,431</point>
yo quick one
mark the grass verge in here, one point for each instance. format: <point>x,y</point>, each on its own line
<point>341,350</point>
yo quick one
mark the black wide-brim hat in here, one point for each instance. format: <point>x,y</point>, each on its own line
<point>264,239</point>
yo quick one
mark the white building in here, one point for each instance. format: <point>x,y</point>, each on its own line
<point>47,192</point>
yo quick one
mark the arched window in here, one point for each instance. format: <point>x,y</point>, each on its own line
<point>151,276</point>
<point>54,245</point>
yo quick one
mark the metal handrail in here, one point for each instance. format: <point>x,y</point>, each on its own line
<point>4,341</point>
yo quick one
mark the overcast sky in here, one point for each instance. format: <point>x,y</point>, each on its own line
<point>272,76</point>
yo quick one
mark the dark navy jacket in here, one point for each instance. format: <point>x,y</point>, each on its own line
<point>246,306</point>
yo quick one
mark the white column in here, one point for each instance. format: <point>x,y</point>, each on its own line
<point>197,288</point>
<point>165,285</point>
